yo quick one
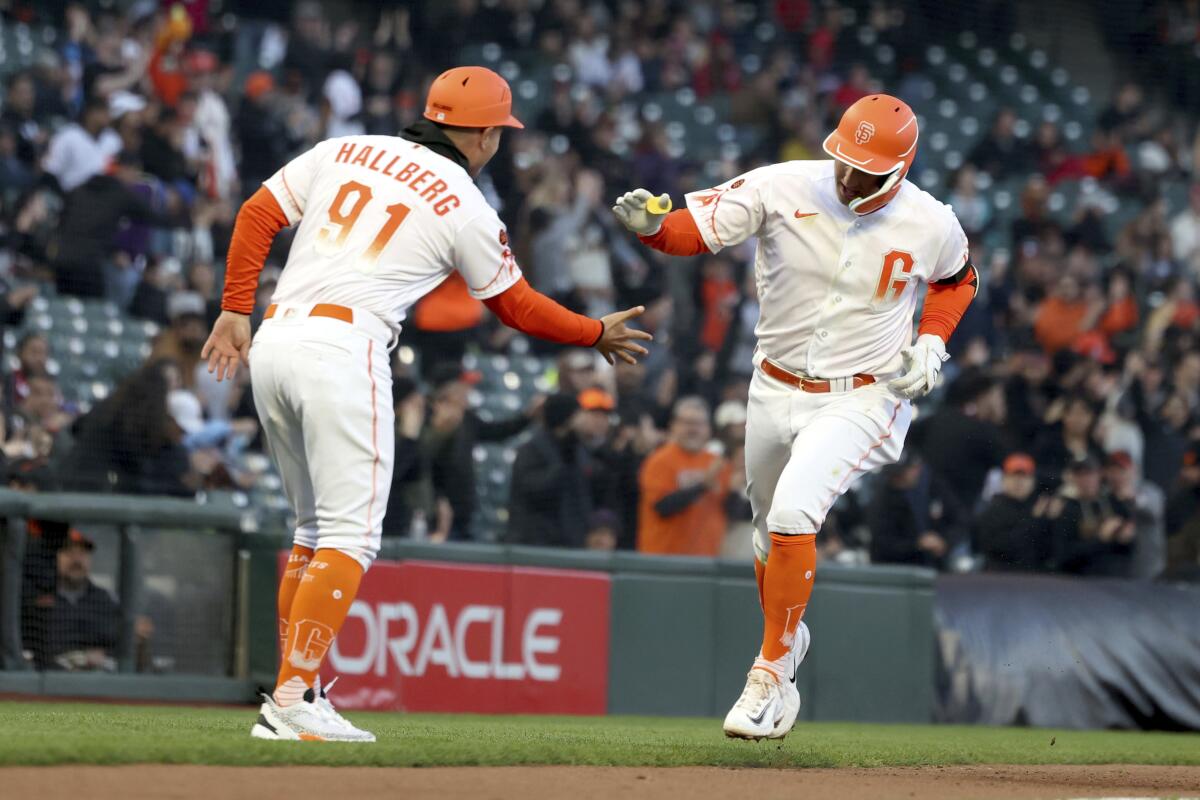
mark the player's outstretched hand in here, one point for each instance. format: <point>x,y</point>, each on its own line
<point>621,341</point>
<point>228,345</point>
<point>642,212</point>
<point>922,366</point>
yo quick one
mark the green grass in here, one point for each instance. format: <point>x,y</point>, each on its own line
<point>59,733</point>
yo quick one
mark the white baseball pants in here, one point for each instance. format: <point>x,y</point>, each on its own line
<point>323,390</point>
<point>804,450</point>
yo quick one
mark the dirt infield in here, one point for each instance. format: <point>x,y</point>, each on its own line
<point>158,782</point>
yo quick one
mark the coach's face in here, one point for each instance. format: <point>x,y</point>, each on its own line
<point>853,184</point>
<point>480,147</point>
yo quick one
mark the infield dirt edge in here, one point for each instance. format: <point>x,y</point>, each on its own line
<point>979,782</point>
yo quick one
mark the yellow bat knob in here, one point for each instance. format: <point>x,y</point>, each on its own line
<point>659,205</point>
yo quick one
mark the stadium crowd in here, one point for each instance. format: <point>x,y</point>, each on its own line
<point>1065,437</point>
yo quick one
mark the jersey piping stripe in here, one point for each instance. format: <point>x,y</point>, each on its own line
<point>855,469</point>
<point>288,189</point>
<point>712,220</point>
<point>488,285</point>
<point>374,440</point>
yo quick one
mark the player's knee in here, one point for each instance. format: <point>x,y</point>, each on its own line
<point>762,544</point>
<point>363,554</point>
<point>306,536</point>
<point>793,520</point>
<point>361,548</point>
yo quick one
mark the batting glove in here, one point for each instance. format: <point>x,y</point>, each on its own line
<point>632,212</point>
<point>922,366</point>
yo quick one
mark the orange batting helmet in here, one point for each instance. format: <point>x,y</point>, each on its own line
<point>877,135</point>
<point>471,97</point>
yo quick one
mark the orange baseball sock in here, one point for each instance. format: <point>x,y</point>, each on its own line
<point>318,610</point>
<point>760,576</point>
<point>787,585</point>
<point>297,561</point>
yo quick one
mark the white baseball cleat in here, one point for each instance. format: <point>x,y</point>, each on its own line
<point>313,719</point>
<point>759,709</point>
<point>788,690</point>
<point>322,702</point>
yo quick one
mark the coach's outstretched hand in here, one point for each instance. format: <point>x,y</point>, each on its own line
<point>638,214</point>
<point>922,366</point>
<point>619,340</point>
<point>228,344</point>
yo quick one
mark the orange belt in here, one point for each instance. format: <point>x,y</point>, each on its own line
<point>809,384</point>
<point>321,310</point>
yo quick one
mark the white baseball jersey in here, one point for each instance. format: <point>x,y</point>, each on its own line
<point>382,222</point>
<point>837,291</point>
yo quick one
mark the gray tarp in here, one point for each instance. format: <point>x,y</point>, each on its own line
<point>1068,652</point>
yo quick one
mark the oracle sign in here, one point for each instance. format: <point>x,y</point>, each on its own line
<point>441,642</point>
<point>429,636</point>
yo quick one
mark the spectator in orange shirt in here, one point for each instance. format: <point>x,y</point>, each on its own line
<point>684,487</point>
<point>1064,315</point>
<point>1121,315</point>
<point>719,295</point>
<point>1107,159</point>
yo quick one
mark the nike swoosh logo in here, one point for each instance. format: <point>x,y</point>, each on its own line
<point>794,665</point>
<point>803,216</point>
<point>761,716</point>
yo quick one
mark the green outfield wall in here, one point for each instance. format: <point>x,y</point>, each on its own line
<point>682,631</point>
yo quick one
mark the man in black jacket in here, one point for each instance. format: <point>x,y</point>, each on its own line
<point>1092,535</point>
<point>1183,520</point>
<point>73,624</point>
<point>963,440</point>
<point>913,517</point>
<point>448,442</point>
<point>90,219</point>
<point>550,502</point>
<point>1011,534</point>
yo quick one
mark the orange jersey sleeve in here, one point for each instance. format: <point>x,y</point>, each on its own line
<point>258,221</point>
<point>946,302</point>
<point>522,307</point>
<point>678,236</point>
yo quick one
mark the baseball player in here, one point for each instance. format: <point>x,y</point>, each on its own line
<point>382,220</point>
<point>843,249</point>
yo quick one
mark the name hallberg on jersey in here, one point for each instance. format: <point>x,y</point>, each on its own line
<point>407,175</point>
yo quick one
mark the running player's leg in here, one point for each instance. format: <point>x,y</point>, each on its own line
<point>345,387</point>
<point>765,707</point>
<point>768,448</point>
<point>843,439</point>
<point>285,444</point>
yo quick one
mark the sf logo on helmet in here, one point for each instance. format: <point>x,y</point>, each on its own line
<point>864,133</point>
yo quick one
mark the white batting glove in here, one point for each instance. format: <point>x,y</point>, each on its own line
<point>631,210</point>
<point>922,366</point>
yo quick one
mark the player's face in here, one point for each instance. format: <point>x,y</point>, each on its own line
<point>853,184</point>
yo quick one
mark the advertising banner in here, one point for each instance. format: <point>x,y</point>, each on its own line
<point>431,636</point>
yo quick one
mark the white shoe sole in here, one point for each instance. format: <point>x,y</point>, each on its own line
<point>750,732</point>
<point>260,731</point>
<point>268,728</point>
<point>748,736</point>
